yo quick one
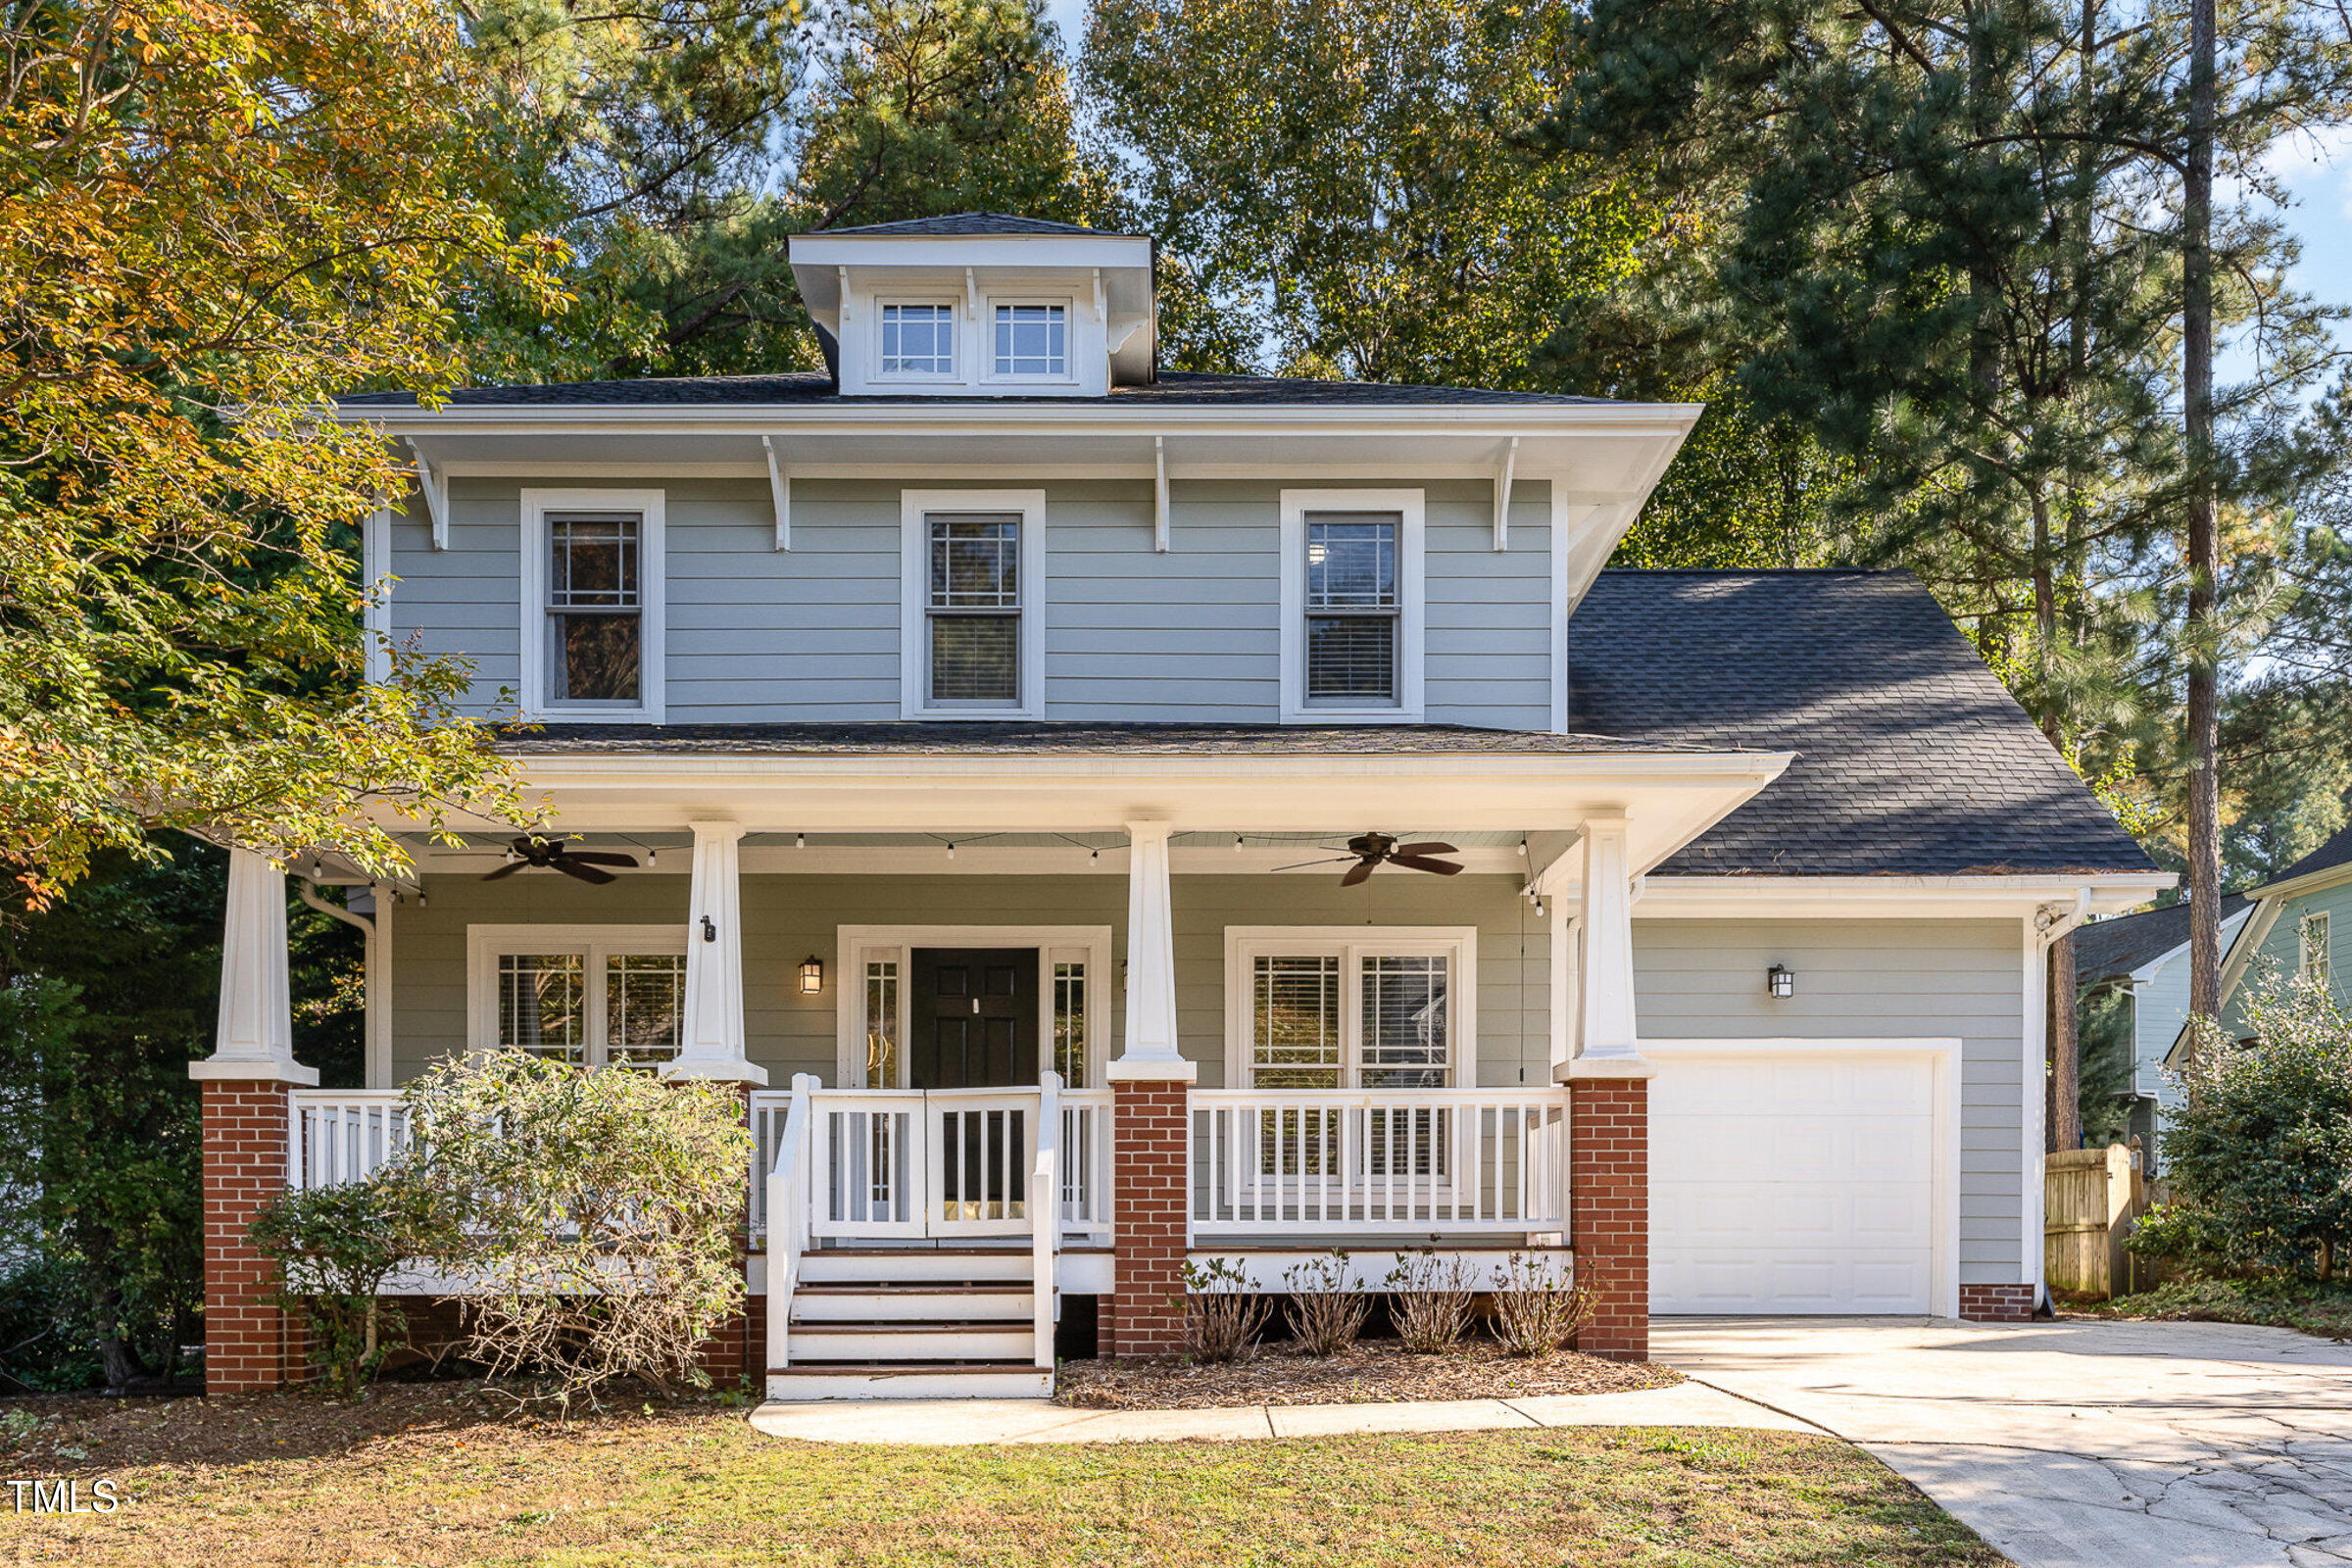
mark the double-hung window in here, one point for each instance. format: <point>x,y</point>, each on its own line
<point>2314,962</point>
<point>1316,1009</point>
<point>972,647</point>
<point>918,340</point>
<point>1351,605</point>
<point>592,604</point>
<point>591,997</point>
<point>1031,342</point>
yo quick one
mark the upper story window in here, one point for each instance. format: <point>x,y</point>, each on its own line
<point>1351,604</point>
<point>971,645</point>
<point>918,340</point>
<point>2313,960</point>
<point>1032,340</point>
<point>592,604</point>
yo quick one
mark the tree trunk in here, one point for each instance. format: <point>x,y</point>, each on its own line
<point>2066,1053</point>
<point>2204,845</point>
<point>2044,571</point>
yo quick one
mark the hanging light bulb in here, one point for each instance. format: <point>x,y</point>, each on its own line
<point>1523,846</point>
<point>1093,855</point>
<point>799,840</point>
<point>951,849</point>
<point>1237,843</point>
<point>653,857</point>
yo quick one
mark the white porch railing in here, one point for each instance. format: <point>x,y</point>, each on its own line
<point>1309,1163</point>
<point>341,1135</point>
<point>1086,1164</point>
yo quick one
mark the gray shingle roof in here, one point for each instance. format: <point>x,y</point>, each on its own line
<point>1913,758</point>
<point>978,223</point>
<point>951,739</point>
<point>2337,851</point>
<point>815,388</point>
<point>2107,949</point>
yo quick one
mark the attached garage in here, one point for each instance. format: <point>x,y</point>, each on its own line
<point>1802,1177</point>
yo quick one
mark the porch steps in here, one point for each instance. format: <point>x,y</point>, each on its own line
<point>905,1323</point>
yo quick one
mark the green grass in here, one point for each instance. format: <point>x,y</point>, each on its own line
<point>428,1477</point>
<point>2321,1310</point>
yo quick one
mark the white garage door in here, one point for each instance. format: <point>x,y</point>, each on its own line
<point>1792,1183</point>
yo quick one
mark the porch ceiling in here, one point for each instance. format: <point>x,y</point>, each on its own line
<point>883,807</point>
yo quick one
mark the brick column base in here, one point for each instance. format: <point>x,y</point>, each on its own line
<point>248,1342</point>
<point>1608,1201</point>
<point>1148,1130</point>
<point>1996,1304</point>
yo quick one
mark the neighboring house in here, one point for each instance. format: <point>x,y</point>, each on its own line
<point>2145,957</point>
<point>963,717</point>
<point>2300,923</point>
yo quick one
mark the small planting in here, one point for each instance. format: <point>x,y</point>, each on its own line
<point>335,1246</point>
<point>1222,1315</point>
<point>1325,1313</point>
<point>1539,1304</point>
<point>1434,1297</point>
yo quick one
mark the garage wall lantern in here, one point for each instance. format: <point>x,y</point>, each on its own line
<point>812,975</point>
<point>1781,982</point>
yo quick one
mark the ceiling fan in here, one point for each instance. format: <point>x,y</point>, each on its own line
<point>1371,851</point>
<point>556,855</point>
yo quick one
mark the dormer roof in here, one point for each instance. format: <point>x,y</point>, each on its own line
<point>1087,293</point>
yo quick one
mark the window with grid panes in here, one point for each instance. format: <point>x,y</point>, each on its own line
<point>549,1003</point>
<point>974,606</point>
<point>1352,608</point>
<point>595,607</point>
<point>918,340</point>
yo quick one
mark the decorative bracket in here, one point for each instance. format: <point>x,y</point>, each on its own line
<point>1159,494</point>
<point>436,495</point>
<point>779,490</point>
<point>1502,496</point>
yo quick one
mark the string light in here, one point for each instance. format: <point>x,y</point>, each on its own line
<point>1523,847</point>
<point>1093,855</point>
<point>799,840</point>
<point>1237,843</point>
<point>951,849</point>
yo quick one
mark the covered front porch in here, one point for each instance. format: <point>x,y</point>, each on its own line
<point>1027,1056</point>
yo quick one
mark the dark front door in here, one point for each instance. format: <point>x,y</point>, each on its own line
<point>975,1018</point>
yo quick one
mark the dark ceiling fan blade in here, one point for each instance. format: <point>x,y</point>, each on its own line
<point>507,869</point>
<point>1304,864</point>
<point>586,873</point>
<point>1402,849</point>
<point>1414,863</point>
<point>1363,869</point>
<point>599,857</point>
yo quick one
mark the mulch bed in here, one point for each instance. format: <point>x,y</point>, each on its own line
<point>1374,1371</point>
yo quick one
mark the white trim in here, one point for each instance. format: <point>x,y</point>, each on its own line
<point>2034,1071</point>
<point>378,990</point>
<point>652,592</point>
<point>1502,494</point>
<point>985,367</point>
<point>856,946</point>
<point>436,490</point>
<point>1557,544</point>
<point>1411,602</point>
<point>1159,494</point>
<point>914,682</point>
<point>1926,897</point>
<point>485,943</point>
<point>1943,1053</point>
<point>779,492</point>
<point>1349,942</point>
<point>375,569</point>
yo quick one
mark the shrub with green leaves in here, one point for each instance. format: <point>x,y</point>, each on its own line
<point>594,1214</point>
<point>2260,1147</point>
<point>335,1246</point>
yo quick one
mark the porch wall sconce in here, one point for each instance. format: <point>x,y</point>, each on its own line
<point>709,931</point>
<point>812,975</point>
<point>1779,982</point>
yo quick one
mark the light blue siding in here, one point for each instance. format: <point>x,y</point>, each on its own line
<point>2282,949</point>
<point>1131,634</point>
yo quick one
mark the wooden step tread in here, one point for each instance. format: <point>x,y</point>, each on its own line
<point>921,1251</point>
<point>896,1369</point>
<point>912,1288</point>
<point>932,1325</point>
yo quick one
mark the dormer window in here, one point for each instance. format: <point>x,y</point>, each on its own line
<point>918,340</point>
<point>1033,340</point>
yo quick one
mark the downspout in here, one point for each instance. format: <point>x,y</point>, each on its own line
<point>371,992</point>
<point>2050,922</point>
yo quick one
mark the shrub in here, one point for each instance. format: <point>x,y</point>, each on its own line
<point>1539,1304</point>
<point>334,1248</point>
<point>1433,1301</point>
<point>595,1214</point>
<point>1222,1316</point>
<point>2259,1148</point>
<point>1326,1315</point>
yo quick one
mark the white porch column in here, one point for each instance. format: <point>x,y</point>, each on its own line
<point>254,1042</point>
<point>1150,1046</point>
<point>1603,1036</point>
<point>713,1046</point>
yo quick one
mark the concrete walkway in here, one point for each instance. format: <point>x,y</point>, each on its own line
<point>961,1421</point>
<point>2073,1444</point>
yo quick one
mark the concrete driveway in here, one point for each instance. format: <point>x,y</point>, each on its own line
<point>2149,1445</point>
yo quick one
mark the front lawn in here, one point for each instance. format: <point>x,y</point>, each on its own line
<point>430,1474</point>
<point>2321,1310</point>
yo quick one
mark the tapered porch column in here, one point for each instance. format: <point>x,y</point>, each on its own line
<point>1609,1104</point>
<point>248,1342</point>
<point>713,1046</point>
<point>1151,1119</point>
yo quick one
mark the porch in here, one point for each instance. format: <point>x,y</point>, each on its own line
<point>1161,1041</point>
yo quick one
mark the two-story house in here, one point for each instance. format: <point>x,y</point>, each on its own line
<point>1105,815</point>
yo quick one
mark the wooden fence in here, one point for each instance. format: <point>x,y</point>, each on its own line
<point>2090,1198</point>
